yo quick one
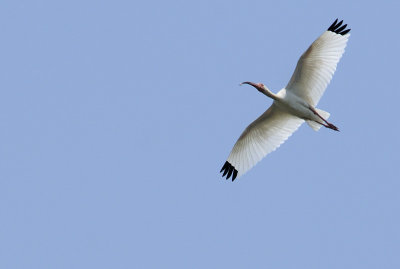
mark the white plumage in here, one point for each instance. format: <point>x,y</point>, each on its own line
<point>292,105</point>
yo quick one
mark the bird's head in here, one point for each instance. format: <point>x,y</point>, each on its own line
<point>261,88</point>
<point>258,86</point>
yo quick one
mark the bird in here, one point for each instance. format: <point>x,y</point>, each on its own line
<point>292,105</point>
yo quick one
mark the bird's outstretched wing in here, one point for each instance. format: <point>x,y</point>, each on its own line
<point>261,137</point>
<point>316,66</point>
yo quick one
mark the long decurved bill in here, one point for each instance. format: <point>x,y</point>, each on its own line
<point>258,86</point>
<point>250,83</point>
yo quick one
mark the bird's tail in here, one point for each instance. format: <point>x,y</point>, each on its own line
<point>315,125</point>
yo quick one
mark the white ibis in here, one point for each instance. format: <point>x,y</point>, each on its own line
<point>292,105</point>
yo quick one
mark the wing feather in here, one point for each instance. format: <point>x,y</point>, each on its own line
<point>261,137</point>
<point>317,65</point>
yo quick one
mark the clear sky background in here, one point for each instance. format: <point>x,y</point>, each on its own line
<point>116,117</point>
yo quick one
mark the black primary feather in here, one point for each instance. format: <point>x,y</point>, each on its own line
<point>335,28</point>
<point>230,170</point>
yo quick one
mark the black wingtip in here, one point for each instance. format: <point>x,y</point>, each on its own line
<point>223,167</point>
<point>235,172</point>
<point>345,32</point>
<point>335,28</point>
<point>332,25</point>
<point>230,170</point>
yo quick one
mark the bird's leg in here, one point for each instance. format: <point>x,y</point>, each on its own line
<point>316,113</point>
<point>327,124</point>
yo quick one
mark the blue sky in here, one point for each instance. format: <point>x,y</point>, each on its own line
<point>116,117</point>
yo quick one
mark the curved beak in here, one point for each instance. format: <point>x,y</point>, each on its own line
<point>255,85</point>
<point>261,88</point>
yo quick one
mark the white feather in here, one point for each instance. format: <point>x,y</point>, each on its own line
<point>316,67</point>
<point>261,137</point>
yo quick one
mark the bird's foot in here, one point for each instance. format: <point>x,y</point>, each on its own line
<point>333,127</point>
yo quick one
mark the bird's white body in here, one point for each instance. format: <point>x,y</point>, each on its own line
<point>292,105</point>
<point>295,105</point>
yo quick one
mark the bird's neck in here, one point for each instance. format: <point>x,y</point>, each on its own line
<point>268,93</point>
